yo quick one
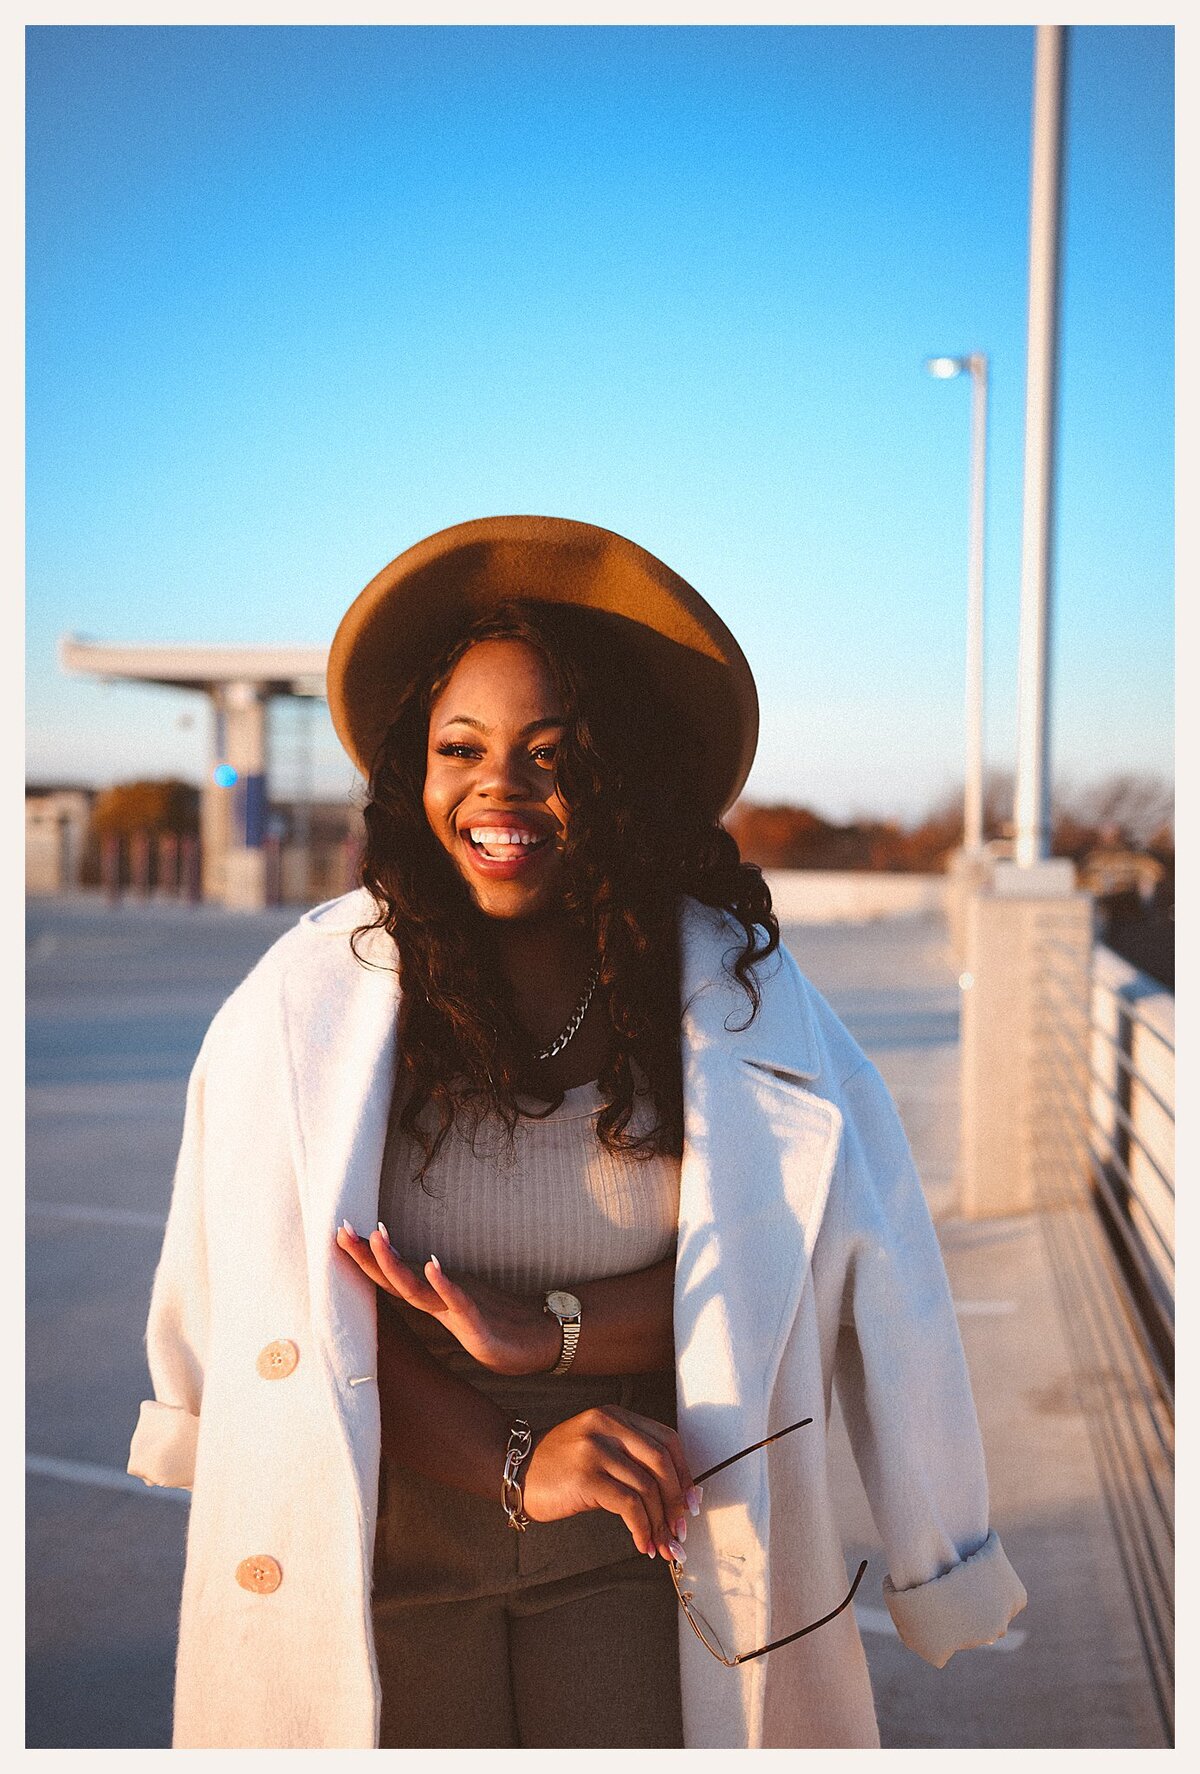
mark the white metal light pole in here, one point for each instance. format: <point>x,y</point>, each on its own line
<point>1031,810</point>
<point>976,364</point>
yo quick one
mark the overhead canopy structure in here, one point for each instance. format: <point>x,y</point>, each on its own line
<point>239,682</point>
<point>277,671</point>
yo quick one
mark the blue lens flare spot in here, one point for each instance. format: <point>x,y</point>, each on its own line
<point>225,775</point>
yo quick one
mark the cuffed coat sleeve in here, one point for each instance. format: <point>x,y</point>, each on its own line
<point>902,1380</point>
<point>163,1450</point>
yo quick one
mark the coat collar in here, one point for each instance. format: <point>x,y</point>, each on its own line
<point>783,1035</point>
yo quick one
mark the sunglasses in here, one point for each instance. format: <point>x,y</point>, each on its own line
<point>702,1628</point>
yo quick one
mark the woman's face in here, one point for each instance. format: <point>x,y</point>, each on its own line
<point>490,795</point>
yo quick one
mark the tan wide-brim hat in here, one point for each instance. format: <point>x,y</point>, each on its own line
<point>423,599</point>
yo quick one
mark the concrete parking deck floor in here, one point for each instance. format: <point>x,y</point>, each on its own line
<point>118,1002</point>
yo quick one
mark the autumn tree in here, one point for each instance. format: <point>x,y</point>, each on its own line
<point>128,807</point>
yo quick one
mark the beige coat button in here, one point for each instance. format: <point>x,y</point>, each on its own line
<point>278,1360</point>
<point>261,1574</point>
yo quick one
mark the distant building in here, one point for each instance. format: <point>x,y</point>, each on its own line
<point>1115,870</point>
<point>240,683</point>
<point>56,826</point>
<point>313,850</point>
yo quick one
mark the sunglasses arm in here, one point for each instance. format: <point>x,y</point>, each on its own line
<point>749,1656</point>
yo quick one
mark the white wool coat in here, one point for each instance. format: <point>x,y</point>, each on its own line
<point>806,1258</point>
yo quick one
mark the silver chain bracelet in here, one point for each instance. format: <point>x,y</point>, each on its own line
<point>520,1441</point>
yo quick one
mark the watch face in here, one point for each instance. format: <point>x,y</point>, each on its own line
<point>564,1305</point>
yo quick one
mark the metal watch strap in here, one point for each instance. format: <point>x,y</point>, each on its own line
<point>565,1307</point>
<point>570,1328</point>
<point>520,1441</point>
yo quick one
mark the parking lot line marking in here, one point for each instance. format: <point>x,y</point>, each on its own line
<point>96,1216</point>
<point>104,1478</point>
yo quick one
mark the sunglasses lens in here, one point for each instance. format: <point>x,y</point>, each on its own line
<point>709,1634</point>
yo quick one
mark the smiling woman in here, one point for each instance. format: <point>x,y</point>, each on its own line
<point>554,1037</point>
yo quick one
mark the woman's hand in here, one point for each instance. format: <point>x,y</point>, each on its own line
<point>614,1459</point>
<point>503,1332</point>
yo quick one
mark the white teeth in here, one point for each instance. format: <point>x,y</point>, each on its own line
<point>488,836</point>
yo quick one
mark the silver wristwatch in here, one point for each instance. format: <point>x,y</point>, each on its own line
<point>566,1308</point>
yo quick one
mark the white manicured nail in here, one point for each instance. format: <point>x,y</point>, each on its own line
<point>435,1263</point>
<point>692,1499</point>
<point>384,1230</point>
<point>349,1229</point>
<point>677,1552</point>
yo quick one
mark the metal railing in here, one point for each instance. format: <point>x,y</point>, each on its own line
<point>1106,1124</point>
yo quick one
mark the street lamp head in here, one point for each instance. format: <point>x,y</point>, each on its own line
<point>944,367</point>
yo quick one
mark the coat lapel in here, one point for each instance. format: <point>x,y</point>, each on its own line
<point>344,1054</point>
<point>759,1150</point>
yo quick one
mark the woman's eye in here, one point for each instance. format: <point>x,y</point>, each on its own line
<point>545,753</point>
<point>456,750</point>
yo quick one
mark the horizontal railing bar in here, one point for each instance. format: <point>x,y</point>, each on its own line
<point>1132,1241</point>
<point>1108,1284</point>
<point>1140,1257</point>
<point>1127,1006</point>
<point>1126,1064</point>
<point>1152,1279</point>
<point>1122,1168</point>
<point>1150,1350</point>
<point>1056,1032</point>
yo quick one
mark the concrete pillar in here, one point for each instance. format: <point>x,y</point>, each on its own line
<point>110,866</point>
<point>167,873</point>
<point>233,817</point>
<point>139,863</point>
<point>189,869</point>
<point>1025,1040</point>
<point>967,871</point>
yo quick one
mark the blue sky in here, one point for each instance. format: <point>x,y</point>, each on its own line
<point>300,296</point>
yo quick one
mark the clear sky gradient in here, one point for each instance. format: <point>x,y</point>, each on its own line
<point>299,296</point>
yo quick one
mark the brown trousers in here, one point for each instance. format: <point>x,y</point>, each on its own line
<point>563,1636</point>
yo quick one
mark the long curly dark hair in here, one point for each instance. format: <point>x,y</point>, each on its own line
<point>636,842</point>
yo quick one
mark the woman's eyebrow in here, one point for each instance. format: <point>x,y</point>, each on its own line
<point>529,727</point>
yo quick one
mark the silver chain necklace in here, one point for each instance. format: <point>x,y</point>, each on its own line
<point>577,1016</point>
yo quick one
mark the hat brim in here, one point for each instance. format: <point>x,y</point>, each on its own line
<point>420,602</point>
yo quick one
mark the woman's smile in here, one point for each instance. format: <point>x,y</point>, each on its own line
<point>501,850</point>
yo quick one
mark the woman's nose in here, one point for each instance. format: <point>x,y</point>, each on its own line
<point>508,775</point>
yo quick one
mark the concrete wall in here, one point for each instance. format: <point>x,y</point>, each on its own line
<point>830,896</point>
<point>55,831</point>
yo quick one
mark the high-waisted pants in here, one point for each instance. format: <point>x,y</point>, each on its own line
<point>564,1636</point>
